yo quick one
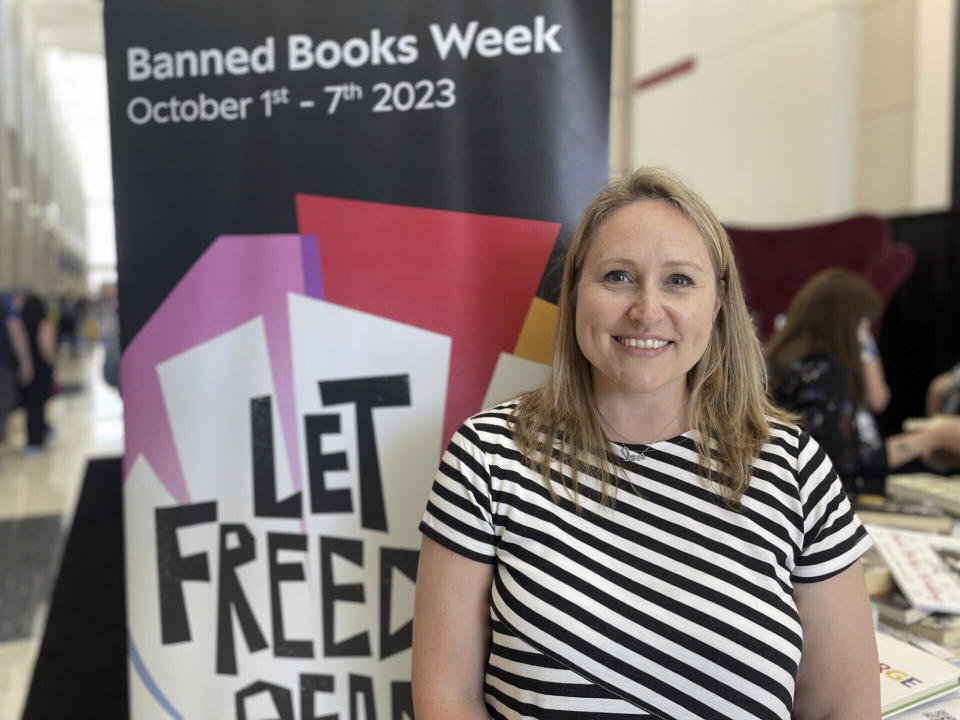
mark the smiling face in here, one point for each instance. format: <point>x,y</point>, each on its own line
<point>645,304</point>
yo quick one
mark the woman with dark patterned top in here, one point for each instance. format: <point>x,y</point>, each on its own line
<point>824,365</point>
<point>645,535</point>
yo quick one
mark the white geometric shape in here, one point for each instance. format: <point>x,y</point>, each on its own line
<point>512,376</point>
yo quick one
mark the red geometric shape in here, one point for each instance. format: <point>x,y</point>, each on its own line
<point>467,276</point>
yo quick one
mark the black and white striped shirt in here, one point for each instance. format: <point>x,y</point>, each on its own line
<point>668,605</point>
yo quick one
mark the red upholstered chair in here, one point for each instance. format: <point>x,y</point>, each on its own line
<point>775,263</point>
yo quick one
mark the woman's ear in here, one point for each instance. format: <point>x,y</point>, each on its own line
<point>721,286</point>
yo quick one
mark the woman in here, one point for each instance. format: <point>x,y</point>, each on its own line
<point>824,365</point>
<point>43,349</point>
<point>704,540</point>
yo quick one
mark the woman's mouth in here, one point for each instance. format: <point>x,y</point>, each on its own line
<point>645,344</point>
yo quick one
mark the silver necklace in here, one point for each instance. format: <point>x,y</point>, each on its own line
<point>628,453</point>
<point>631,455</point>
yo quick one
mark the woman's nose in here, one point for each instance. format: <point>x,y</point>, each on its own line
<point>646,308</point>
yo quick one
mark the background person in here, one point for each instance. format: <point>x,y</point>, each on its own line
<point>943,399</point>
<point>42,340</point>
<point>68,322</point>
<point>701,542</point>
<point>16,365</point>
<point>824,365</point>
<point>943,393</point>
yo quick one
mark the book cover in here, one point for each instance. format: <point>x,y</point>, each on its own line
<point>945,708</point>
<point>909,676</point>
<point>876,573</point>
<point>925,566</point>
<point>942,491</point>
<point>944,629</point>
<point>900,632</point>
<point>895,608</point>
<point>880,510</point>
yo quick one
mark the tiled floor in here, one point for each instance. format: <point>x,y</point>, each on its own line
<point>38,495</point>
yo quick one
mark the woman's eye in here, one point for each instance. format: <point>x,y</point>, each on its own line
<point>616,277</point>
<point>679,281</point>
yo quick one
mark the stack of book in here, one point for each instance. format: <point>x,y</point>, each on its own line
<point>877,574</point>
<point>920,601</point>
<point>910,515</point>
<point>896,611</point>
<point>942,492</point>
<point>924,566</point>
<point>922,607</point>
<point>910,677</point>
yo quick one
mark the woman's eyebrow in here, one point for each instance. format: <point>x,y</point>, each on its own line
<point>679,263</point>
<point>684,263</point>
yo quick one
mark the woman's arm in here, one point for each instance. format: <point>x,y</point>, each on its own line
<point>935,392</point>
<point>21,348</point>
<point>909,446</point>
<point>938,444</point>
<point>876,392</point>
<point>47,341</point>
<point>838,676</point>
<point>451,635</point>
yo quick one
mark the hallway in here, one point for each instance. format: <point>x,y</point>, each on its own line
<point>38,496</point>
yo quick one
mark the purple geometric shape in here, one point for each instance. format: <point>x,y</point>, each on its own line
<point>312,277</point>
<point>238,278</point>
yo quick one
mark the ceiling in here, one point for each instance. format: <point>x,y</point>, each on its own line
<point>71,25</point>
<point>65,40</point>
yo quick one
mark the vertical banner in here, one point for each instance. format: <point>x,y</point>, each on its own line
<point>338,226</point>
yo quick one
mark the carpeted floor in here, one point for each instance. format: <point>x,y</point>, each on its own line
<point>27,565</point>
<point>81,669</point>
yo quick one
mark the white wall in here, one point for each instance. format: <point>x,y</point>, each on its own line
<point>764,126</point>
<point>795,111</point>
<point>621,92</point>
<point>885,153</point>
<point>934,98</point>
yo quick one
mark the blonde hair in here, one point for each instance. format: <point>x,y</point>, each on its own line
<point>727,386</point>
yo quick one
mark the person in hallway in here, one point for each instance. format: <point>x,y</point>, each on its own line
<point>42,339</point>
<point>825,366</point>
<point>16,364</point>
<point>69,320</point>
<point>645,535</point>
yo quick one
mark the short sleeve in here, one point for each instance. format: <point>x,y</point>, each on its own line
<point>458,514</point>
<point>833,536</point>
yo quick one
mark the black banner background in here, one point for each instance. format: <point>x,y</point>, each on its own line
<point>525,139</point>
<point>522,139</point>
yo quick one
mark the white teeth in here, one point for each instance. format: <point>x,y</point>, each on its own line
<point>645,344</point>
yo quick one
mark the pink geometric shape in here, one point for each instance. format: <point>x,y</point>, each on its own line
<point>238,278</point>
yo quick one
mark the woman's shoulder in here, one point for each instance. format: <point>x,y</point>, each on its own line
<point>486,435</point>
<point>783,432</point>
<point>788,438</point>
<point>791,441</point>
<point>500,412</point>
<point>497,418</point>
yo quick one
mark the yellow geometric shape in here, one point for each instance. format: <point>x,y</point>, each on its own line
<point>538,334</point>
